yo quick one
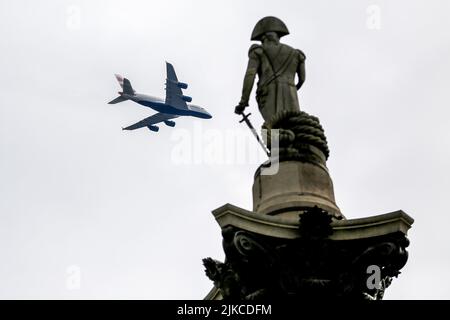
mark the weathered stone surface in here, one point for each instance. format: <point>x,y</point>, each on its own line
<point>296,186</point>
<point>287,227</point>
<point>301,137</point>
<point>303,180</point>
<point>318,259</point>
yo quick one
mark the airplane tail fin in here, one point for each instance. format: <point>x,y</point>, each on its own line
<point>126,89</point>
<point>125,84</point>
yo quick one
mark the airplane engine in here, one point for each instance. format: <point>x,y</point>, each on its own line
<point>153,128</point>
<point>186,98</point>
<point>169,123</point>
<point>182,85</point>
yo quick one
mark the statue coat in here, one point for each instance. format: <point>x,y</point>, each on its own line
<point>276,66</point>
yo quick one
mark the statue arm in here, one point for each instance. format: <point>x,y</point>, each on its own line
<point>301,70</point>
<point>249,79</point>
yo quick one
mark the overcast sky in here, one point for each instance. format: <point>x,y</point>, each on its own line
<point>81,197</point>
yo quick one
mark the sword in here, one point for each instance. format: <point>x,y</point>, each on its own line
<point>252,129</point>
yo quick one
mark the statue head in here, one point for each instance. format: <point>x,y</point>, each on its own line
<point>270,37</point>
<point>267,25</point>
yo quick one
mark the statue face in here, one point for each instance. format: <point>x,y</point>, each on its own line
<point>271,36</point>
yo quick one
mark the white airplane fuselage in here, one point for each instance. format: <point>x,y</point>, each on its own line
<point>160,105</point>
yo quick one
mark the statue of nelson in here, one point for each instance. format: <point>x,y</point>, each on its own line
<point>276,65</point>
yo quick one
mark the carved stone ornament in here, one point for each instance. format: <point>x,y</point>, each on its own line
<point>310,266</point>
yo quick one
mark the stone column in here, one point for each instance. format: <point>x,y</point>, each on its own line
<point>296,243</point>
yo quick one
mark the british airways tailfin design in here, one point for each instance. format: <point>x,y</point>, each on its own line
<point>126,89</point>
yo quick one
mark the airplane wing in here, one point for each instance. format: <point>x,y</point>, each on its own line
<point>147,122</point>
<point>174,93</point>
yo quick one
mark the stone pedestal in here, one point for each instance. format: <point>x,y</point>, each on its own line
<point>296,186</point>
<point>311,257</point>
<point>296,243</point>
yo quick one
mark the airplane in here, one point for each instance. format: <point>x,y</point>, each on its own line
<point>174,106</point>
